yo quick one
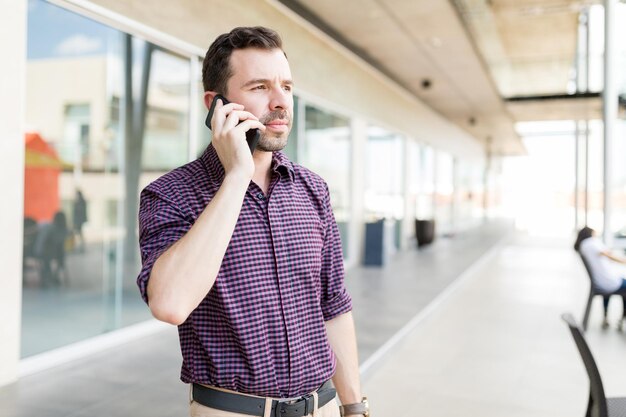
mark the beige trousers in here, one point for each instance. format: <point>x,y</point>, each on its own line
<point>198,410</point>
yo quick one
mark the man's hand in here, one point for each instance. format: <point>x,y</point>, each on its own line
<point>230,123</point>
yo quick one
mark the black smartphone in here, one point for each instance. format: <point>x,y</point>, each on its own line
<point>252,135</point>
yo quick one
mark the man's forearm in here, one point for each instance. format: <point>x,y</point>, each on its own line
<point>342,338</point>
<point>183,275</point>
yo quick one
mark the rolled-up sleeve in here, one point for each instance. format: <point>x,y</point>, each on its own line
<point>335,299</point>
<point>161,224</point>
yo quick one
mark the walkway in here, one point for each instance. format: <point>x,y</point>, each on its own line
<point>488,343</point>
<point>497,345</point>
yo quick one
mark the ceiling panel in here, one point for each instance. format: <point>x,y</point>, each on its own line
<point>529,45</point>
<point>413,40</point>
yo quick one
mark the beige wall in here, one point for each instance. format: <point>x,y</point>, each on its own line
<point>13,47</point>
<point>320,67</point>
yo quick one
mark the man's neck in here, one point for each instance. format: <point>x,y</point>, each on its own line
<point>262,170</point>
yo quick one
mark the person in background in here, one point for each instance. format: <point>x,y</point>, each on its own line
<point>50,249</point>
<point>80,218</point>
<point>608,271</point>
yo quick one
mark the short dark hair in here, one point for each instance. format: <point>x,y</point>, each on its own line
<point>216,70</point>
<point>585,233</point>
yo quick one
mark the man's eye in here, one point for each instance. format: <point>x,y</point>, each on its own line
<point>259,87</point>
<point>287,87</point>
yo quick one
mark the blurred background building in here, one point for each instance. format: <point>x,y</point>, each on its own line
<point>458,111</point>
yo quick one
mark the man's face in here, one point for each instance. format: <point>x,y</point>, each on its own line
<point>261,82</point>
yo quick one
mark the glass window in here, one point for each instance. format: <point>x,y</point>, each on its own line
<point>477,192</point>
<point>425,199</point>
<point>444,189</point>
<point>326,151</point>
<point>415,178</point>
<point>86,160</point>
<point>204,134</point>
<point>166,125</point>
<point>618,197</point>
<point>291,150</point>
<point>463,195</point>
<point>384,179</point>
<point>468,194</point>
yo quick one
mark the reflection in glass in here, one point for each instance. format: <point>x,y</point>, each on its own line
<point>425,199</point>
<point>106,114</point>
<point>203,133</point>
<point>384,175</point>
<point>166,131</point>
<point>415,179</point>
<point>444,189</point>
<point>326,151</point>
<point>384,179</point>
<point>618,192</point>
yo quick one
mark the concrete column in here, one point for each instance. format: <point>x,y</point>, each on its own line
<point>586,172</point>
<point>12,95</point>
<point>357,206</point>
<point>455,208</point>
<point>409,218</point>
<point>486,179</point>
<point>576,180</point>
<point>610,101</point>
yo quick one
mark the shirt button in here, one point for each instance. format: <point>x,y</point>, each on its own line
<point>260,196</point>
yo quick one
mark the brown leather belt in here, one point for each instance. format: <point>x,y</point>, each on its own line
<point>255,406</point>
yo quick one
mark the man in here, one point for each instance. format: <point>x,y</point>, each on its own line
<point>242,252</point>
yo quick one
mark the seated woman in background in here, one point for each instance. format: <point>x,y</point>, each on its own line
<point>607,270</point>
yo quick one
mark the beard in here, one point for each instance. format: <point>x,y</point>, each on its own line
<point>270,141</point>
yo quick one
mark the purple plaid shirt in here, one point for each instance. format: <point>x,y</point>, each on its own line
<point>260,329</point>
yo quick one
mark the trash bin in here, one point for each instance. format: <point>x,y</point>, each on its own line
<point>375,243</point>
<point>424,231</point>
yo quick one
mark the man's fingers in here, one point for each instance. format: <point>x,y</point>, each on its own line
<point>249,124</point>
<point>221,112</point>
<point>235,117</point>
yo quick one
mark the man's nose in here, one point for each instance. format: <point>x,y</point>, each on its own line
<point>280,99</point>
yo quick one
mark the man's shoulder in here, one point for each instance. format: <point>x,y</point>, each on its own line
<point>309,178</point>
<point>179,180</point>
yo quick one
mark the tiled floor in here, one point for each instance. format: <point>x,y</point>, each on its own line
<point>495,345</point>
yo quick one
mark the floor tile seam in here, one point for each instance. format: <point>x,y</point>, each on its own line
<point>366,367</point>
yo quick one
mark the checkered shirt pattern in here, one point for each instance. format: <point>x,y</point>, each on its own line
<point>260,330</point>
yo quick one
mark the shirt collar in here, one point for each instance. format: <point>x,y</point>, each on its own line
<point>280,164</point>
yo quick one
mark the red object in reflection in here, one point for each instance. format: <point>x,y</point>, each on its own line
<point>41,179</point>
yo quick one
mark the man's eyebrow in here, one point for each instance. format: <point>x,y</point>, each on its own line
<point>265,81</point>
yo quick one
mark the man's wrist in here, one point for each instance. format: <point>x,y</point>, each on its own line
<point>360,408</point>
<point>237,178</point>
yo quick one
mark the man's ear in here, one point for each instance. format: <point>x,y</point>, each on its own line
<point>208,98</point>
